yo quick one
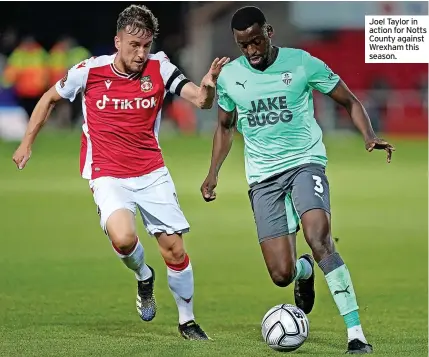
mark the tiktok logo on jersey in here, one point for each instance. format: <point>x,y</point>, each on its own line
<point>269,111</point>
<point>126,104</point>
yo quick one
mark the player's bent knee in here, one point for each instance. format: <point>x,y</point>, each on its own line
<point>283,277</point>
<point>280,258</point>
<point>124,244</point>
<point>171,247</point>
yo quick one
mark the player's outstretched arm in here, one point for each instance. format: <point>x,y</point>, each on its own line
<point>39,116</point>
<point>342,95</point>
<point>222,142</point>
<point>203,95</point>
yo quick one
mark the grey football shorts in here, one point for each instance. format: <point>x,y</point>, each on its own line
<point>279,202</point>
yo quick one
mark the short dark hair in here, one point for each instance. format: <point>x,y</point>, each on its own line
<point>137,18</point>
<point>246,17</point>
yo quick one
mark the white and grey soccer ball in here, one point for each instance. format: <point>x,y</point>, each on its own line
<point>285,327</point>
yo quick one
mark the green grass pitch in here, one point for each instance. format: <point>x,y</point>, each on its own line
<point>63,292</point>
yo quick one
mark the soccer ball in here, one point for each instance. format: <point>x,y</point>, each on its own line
<point>285,327</point>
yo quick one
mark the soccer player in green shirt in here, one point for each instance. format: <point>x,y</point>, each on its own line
<point>267,94</point>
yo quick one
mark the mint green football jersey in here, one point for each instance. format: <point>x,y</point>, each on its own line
<point>275,112</point>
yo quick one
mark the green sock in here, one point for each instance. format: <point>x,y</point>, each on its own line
<point>303,269</point>
<point>352,319</point>
<point>341,287</point>
<point>340,284</point>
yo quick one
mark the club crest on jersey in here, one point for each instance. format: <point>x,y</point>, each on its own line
<point>64,80</point>
<point>146,84</point>
<point>287,78</point>
<point>331,74</point>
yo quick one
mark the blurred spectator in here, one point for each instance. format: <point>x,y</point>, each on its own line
<point>171,46</point>
<point>183,116</point>
<point>377,101</point>
<point>422,86</point>
<point>13,119</point>
<point>7,96</point>
<point>8,40</point>
<point>62,56</point>
<point>27,71</point>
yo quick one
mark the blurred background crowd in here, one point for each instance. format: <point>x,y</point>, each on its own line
<point>40,41</point>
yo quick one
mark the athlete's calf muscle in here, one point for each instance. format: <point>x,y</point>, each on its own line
<point>316,224</point>
<point>171,247</point>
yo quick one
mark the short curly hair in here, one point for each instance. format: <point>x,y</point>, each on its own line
<point>137,18</point>
<point>246,17</point>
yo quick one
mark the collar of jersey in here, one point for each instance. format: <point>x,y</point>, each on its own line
<point>122,74</point>
<point>266,69</point>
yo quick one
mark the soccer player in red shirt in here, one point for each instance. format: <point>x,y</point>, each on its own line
<point>122,97</point>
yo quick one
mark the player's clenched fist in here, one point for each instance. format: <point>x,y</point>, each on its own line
<point>21,156</point>
<point>207,188</point>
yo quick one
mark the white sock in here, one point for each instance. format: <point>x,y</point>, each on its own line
<point>181,283</point>
<point>356,332</point>
<point>135,262</point>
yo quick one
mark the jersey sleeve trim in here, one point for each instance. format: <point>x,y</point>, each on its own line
<point>334,87</point>
<point>173,76</point>
<point>224,108</point>
<point>223,100</point>
<point>319,76</point>
<point>72,83</point>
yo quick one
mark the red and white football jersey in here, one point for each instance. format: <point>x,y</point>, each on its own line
<point>122,114</point>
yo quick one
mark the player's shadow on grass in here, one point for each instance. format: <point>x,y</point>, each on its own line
<point>314,340</point>
<point>310,346</point>
<point>125,329</point>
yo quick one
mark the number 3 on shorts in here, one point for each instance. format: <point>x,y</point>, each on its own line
<point>318,184</point>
